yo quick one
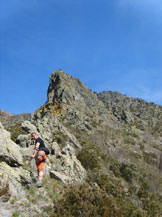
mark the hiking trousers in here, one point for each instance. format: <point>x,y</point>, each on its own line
<point>40,160</point>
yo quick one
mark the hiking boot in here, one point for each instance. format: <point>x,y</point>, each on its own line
<point>39,184</point>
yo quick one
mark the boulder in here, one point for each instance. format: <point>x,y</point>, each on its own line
<point>59,176</point>
<point>12,179</point>
<point>66,167</point>
<point>10,151</point>
<point>29,127</point>
<point>24,140</point>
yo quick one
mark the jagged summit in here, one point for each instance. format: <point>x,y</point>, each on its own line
<point>62,86</point>
<point>74,102</point>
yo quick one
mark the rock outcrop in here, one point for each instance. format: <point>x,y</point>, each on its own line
<point>132,111</point>
<point>11,162</point>
<point>66,166</point>
<point>10,152</point>
<point>12,176</point>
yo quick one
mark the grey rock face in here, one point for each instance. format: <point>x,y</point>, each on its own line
<point>14,178</point>
<point>26,125</point>
<point>50,128</point>
<point>128,109</point>
<point>10,151</point>
<point>67,167</point>
<point>24,140</point>
<point>12,175</point>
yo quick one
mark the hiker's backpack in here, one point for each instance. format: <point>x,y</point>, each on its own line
<point>46,150</point>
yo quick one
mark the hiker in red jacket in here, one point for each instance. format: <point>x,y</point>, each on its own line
<point>39,155</point>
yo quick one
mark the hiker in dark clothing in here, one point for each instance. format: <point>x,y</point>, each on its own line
<point>40,156</point>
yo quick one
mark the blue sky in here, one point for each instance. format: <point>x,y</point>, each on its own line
<point>110,45</point>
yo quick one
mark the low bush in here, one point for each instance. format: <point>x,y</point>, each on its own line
<point>16,214</point>
<point>126,171</point>
<point>90,156</point>
<point>83,200</point>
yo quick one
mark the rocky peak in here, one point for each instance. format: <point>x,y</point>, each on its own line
<point>65,89</point>
<point>74,103</point>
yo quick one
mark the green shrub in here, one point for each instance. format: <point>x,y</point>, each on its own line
<point>115,167</point>
<point>143,191</point>
<point>132,189</point>
<point>89,159</point>
<point>83,200</point>
<point>132,211</point>
<point>150,158</point>
<point>127,172</point>
<point>16,214</point>
<point>90,156</point>
<point>152,207</point>
<point>110,185</point>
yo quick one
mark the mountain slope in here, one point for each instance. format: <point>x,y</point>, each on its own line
<point>117,133</point>
<point>107,147</point>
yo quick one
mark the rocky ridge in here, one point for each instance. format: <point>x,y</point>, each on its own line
<point>8,119</point>
<point>133,111</point>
